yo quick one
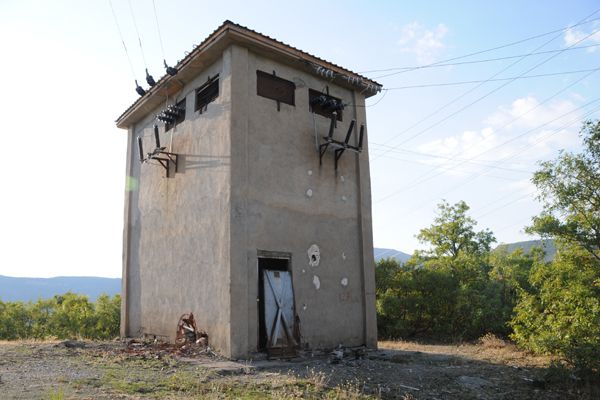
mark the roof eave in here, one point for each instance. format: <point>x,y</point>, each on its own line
<point>211,49</point>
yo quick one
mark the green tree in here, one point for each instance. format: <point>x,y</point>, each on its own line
<point>445,292</point>
<point>107,317</point>
<point>73,317</point>
<point>453,233</point>
<point>570,193</point>
<point>560,313</point>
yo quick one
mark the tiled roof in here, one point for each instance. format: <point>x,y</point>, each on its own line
<point>319,66</point>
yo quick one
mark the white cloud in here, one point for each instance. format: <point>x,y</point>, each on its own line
<point>474,150</point>
<point>424,43</point>
<point>527,113</point>
<point>576,37</point>
<point>453,151</point>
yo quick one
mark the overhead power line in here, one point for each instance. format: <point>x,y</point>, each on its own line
<point>138,33</point>
<point>515,154</point>
<point>581,22</point>
<point>491,80</point>
<point>421,181</point>
<point>112,9</point>
<point>457,169</point>
<point>546,100</point>
<point>536,53</point>
<point>481,162</point>
<point>162,49</point>
<point>485,95</point>
<point>505,205</point>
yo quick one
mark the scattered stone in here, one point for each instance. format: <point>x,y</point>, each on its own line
<point>71,344</point>
<point>473,382</point>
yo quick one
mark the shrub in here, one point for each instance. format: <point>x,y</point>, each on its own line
<point>66,316</point>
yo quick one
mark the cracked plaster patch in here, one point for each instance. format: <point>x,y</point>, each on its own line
<point>316,282</point>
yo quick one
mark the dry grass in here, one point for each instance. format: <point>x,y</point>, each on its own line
<point>489,349</point>
<point>491,341</point>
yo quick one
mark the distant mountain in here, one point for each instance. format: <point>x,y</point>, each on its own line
<point>387,253</point>
<point>32,289</point>
<point>546,244</point>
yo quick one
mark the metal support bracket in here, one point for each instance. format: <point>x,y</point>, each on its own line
<point>164,158</point>
<point>339,146</point>
<point>166,161</point>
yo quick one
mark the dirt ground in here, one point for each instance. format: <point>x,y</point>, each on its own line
<point>398,370</point>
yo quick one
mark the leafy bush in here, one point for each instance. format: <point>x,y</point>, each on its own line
<point>66,316</point>
<point>457,289</point>
<point>561,313</point>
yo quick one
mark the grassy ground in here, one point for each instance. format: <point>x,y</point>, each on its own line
<point>399,370</point>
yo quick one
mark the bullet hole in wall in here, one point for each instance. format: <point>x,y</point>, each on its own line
<point>314,255</point>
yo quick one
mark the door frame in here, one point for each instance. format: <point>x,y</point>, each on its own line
<point>282,262</point>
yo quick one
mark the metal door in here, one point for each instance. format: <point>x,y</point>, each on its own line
<point>279,308</point>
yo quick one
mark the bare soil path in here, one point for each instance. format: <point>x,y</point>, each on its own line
<point>398,370</point>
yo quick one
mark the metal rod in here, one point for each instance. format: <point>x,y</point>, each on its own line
<point>360,137</point>
<point>156,138</point>
<point>332,126</point>
<point>140,148</point>
<point>349,131</point>
<point>338,155</point>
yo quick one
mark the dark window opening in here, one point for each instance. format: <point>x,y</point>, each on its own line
<point>179,112</point>
<point>324,104</point>
<point>207,93</point>
<point>275,88</point>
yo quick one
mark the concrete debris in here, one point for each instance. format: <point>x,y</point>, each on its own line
<point>350,353</point>
<point>188,333</point>
<point>155,349</point>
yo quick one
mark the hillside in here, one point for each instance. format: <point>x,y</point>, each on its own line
<point>31,289</point>
<point>390,253</point>
<point>546,244</point>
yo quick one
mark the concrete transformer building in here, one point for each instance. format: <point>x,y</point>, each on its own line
<point>248,202</point>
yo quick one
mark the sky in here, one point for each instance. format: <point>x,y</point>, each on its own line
<point>65,78</point>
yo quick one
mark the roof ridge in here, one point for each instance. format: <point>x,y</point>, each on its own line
<point>321,66</point>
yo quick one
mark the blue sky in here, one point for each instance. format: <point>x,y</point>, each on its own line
<point>66,79</point>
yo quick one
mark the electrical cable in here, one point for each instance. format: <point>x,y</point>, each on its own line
<point>418,182</point>
<point>581,22</point>
<point>500,199</point>
<point>505,205</point>
<point>508,157</point>
<point>162,50</point>
<point>368,105</point>
<point>122,40</point>
<point>547,99</point>
<point>427,85</point>
<point>481,163</point>
<point>138,34</point>
<point>486,60</point>
<point>482,97</point>
<point>520,221</point>
<point>489,166</point>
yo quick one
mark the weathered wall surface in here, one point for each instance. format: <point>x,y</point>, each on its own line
<point>249,179</point>
<point>177,230</point>
<point>282,200</point>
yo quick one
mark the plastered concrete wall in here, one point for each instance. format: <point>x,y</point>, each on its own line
<point>283,200</point>
<point>249,179</point>
<point>177,239</point>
